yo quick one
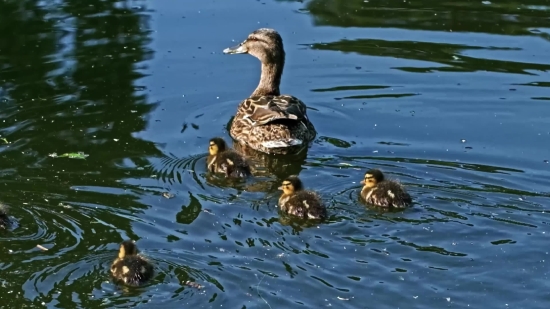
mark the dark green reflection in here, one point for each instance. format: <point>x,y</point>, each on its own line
<point>70,81</point>
<point>502,17</point>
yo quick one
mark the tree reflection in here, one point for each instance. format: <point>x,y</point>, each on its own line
<point>69,74</point>
<point>504,17</point>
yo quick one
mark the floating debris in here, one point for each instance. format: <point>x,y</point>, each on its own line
<point>42,248</point>
<point>65,205</point>
<point>193,284</point>
<point>70,155</point>
<point>4,140</point>
<point>167,195</point>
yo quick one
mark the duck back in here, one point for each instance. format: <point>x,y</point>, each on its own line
<point>132,270</point>
<point>387,193</point>
<point>304,204</point>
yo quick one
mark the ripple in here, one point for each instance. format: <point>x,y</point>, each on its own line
<point>92,270</point>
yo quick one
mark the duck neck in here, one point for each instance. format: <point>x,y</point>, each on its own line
<point>270,79</point>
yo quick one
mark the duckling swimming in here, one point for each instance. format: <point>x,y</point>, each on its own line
<point>5,221</point>
<point>299,202</point>
<point>268,121</point>
<point>129,267</point>
<point>221,159</point>
<point>384,193</point>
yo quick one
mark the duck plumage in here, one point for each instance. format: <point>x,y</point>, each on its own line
<point>382,192</point>
<point>298,202</point>
<point>221,159</point>
<point>268,121</point>
<point>129,267</point>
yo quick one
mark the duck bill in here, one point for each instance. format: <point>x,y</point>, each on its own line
<point>362,182</point>
<point>280,188</point>
<point>239,49</point>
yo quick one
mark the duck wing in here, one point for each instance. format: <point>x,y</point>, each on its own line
<point>262,110</point>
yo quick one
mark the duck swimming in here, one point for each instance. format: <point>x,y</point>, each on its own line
<point>268,121</point>
<point>299,202</point>
<point>5,221</point>
<point>130,267</point>
<point>221,159</point>
<point>384,193</point>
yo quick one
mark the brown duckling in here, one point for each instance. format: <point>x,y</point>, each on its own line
<point>221,159</point>
<point>5,221</point>
<point>299,202</point>
<point>384,193</point>
<point>130,267</point>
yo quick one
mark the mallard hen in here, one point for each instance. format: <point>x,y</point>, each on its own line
<point>268,121</point>
<point>381,192</point>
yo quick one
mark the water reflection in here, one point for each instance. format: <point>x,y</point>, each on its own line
<point>81,87</point>
<point>502,17</point>
<point>70,81</point>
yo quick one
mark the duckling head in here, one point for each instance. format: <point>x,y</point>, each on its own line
<point>291,185</point>
<point>127,248</point>
<point>217,144</point>
<point>265,44</point>
<point>372,178</point>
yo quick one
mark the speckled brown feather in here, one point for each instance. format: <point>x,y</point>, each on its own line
<point>263,119</point>
<point>230,163</point>
<point>304,204</point>
<point>387,193</point>
<point>132,270</point>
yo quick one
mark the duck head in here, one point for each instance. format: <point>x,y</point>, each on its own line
<point>291,185</point>
<point>372,178</point>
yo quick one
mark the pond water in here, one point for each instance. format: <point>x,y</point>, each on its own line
<point>451,98</point>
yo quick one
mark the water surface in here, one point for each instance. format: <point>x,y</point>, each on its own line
<point>452,99</point>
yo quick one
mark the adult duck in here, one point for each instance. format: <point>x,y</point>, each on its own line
<point>268,121</point>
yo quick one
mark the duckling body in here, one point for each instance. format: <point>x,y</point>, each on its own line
<point>221,159</point>
<point>299,202</point>
<point>384,193</point>
<point>5,221</point>
<point>131,268</point>
<point>268,121</point>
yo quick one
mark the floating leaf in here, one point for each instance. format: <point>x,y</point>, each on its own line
<point>70,155</point>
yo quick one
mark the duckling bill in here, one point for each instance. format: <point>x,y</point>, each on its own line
<point>268,121</point>
<point>381,192</point>
<point>299,202</point>
<point>129,267</point>
<point>221,159</point>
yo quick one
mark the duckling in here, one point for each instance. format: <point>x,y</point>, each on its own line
<point>5,221</point>
<point>384,193</point>
<point>221,159</point>
<point>268,121</point>
<point>299,202</point>
<point>130,267</point>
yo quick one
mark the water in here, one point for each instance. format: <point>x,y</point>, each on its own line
<point>452,99</point>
